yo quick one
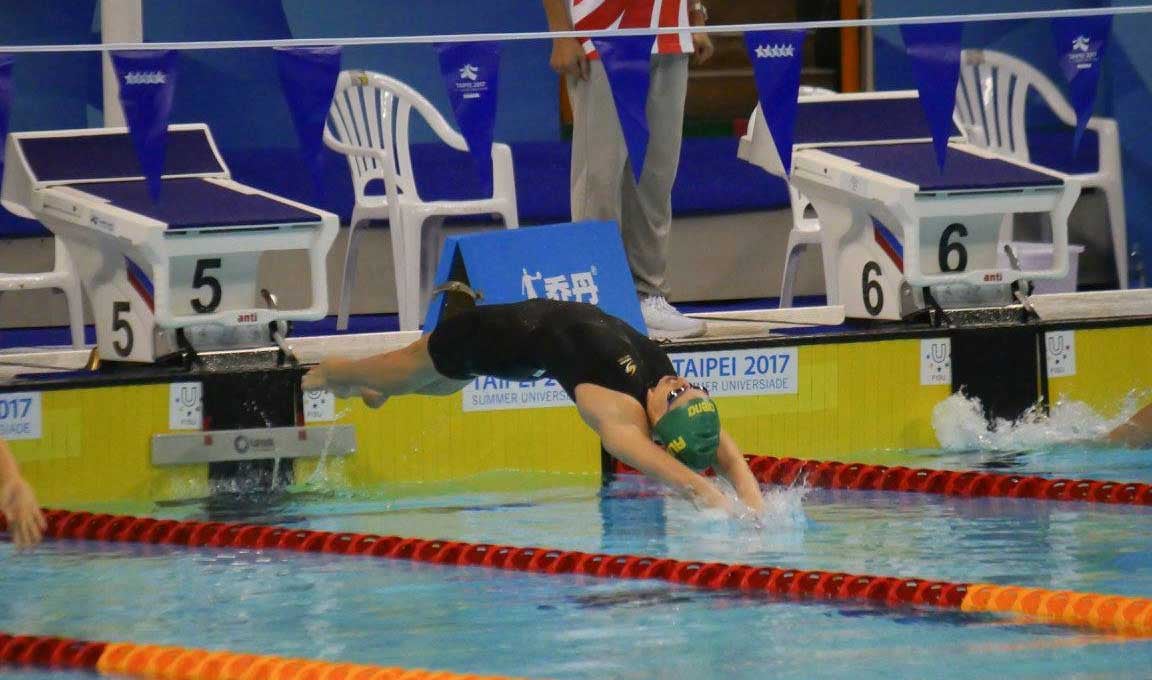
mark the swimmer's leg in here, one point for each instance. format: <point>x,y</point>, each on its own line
<point>376,378</point>
<point>443,386</point>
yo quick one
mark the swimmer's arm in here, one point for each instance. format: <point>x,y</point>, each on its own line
<point>18,502</point>
<point>1135,431</point>
<point>621,424</point>
<point>731,465</point>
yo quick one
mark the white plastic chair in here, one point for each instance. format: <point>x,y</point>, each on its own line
<point>369,123</point>
<point>805,225</point>
<point>990,107</point>
<point>62,277</point>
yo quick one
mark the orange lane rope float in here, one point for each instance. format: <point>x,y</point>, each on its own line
<point>183,663</point>
<point>1116,614</point>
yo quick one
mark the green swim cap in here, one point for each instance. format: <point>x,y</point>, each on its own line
<point>691,432</point>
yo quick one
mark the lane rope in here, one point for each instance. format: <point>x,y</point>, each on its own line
<point>963,483</point>
<point>186,663</point>
<point>830,474</point>
<point>1125,615</point>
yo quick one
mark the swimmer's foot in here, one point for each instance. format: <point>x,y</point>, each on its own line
<point>458,287</point>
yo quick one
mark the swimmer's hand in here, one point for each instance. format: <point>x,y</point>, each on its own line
<point>708,497</point>
<point>18,504</point>
<point>319,377</point>
<point>372,398</point>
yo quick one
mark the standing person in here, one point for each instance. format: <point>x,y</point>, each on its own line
<point>603,184</point>
<point>18,502</point>
<point>624,386</point>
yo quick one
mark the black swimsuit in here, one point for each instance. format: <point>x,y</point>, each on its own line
<point>572,342</point>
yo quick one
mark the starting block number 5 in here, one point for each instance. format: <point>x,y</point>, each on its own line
<point>204,285</point>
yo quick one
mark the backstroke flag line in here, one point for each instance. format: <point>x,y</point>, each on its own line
<point>934,50</point>
<point>627,60</point>
<point>776,59</point>
<point>308,76</point>
<point>147,82</point>
<point>1080,45</point>
<point>471,71</point>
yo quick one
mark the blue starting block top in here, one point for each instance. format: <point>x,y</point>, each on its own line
<point>194,203</point>
<point>108,156</point>
<point>861,120</point>
<point>916,163</point>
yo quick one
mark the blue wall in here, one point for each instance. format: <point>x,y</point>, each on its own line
<point>237,91</point>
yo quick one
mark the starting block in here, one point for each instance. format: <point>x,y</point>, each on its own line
<point>893,226</point>
<point>186,263</point>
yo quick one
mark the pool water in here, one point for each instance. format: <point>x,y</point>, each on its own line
<point>477,620</point>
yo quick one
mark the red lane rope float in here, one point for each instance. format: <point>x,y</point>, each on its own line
<point>964,483</point>
<point>1126,615</point>
<point>185,663</point>
<point>829,474</point>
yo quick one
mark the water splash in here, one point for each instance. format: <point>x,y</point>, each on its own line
<point>960,424</point>
<point>325,476</point>
<point>783,509</point>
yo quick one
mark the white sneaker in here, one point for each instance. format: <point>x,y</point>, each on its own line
<point>664,321</point>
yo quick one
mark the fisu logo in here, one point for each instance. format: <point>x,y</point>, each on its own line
<point>576,287</point>
<point>145,78</point>
<point>775,51</point>
<point>1081,55</point>
<point>469,72</point>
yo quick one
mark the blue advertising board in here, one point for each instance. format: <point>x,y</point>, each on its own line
<point>580,262</point>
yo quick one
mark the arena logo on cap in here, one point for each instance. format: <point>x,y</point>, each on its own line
<point>145,78</point>
<point>574,287</point>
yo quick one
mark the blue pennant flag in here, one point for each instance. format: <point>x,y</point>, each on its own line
<point>935,53</point>
<point>627,62</point>
<point>6,61</point>
<point>776,59</point>
<point>1080,44</point>
<point>471,71</point>
<point>147,82</point>
<point>308,76</point>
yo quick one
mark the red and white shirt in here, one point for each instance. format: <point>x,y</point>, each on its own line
<point>596,15</point>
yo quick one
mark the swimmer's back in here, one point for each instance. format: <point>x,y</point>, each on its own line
<point>573,342</point>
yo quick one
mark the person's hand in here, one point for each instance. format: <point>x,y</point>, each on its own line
<point>702,47</point>
<point>708,497</point>
<point>315,379</point>
<point>372,398</point>
<point>568,58</point>
<point>319,377</point>
<point>18,504</point>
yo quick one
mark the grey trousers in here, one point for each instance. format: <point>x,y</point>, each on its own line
<point>603,186</point>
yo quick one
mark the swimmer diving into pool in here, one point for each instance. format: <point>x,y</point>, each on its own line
<point>624,385</point>
<point>18,502</point>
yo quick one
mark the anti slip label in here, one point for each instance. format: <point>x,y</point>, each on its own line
<point>722,373</point>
